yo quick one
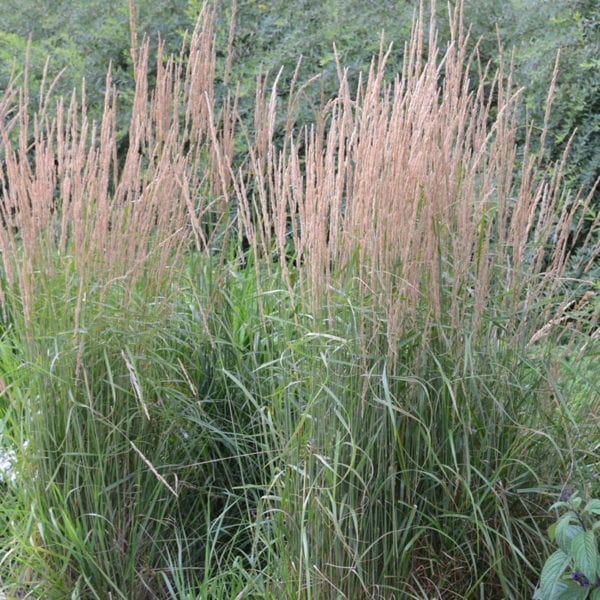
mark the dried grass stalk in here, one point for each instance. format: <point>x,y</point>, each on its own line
<point>414,190</point>
<point>69,207</point>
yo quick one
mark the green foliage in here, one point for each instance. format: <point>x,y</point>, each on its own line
<point>79,39</point>
<point>573,571</point>
<point>137,450</point>
<point>538,31</point>
<point>390,464</point>
<point>302,38</point>
<point>574,29</point>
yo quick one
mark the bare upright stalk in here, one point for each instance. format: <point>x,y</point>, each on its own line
<point>69,207</point>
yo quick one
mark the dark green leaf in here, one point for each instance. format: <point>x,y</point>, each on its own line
<point>584,550</point>
<point>551,585</point>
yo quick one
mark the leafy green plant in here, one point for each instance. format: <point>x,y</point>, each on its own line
<point>573,571</point>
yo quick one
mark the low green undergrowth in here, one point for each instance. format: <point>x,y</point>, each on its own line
<point>231,446</point>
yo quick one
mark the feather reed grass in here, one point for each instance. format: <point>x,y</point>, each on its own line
<point>316,370</point>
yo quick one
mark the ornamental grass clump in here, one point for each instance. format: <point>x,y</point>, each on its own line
<point>130,450</point>
<point>263,361</point>
<point>432,253</point>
